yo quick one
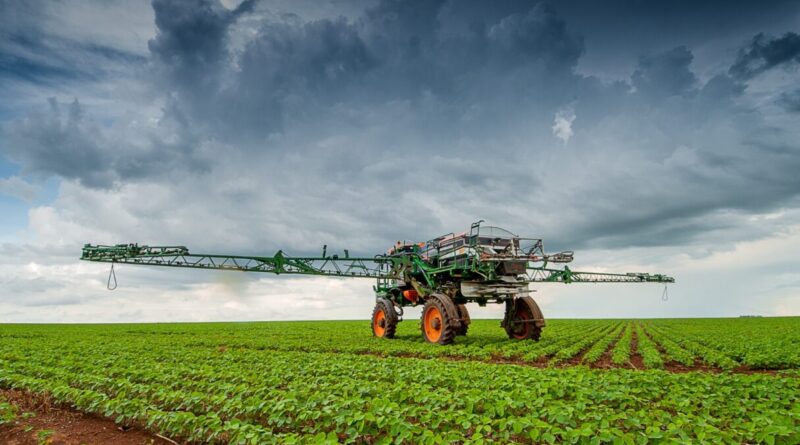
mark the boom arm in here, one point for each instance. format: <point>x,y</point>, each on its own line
<point>179,256</point>
<point>377,267</point>
<point>545,275</point>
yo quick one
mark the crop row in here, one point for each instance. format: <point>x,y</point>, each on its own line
<point>650,354</point>
<point>621,354</point>
<point>673,350</point>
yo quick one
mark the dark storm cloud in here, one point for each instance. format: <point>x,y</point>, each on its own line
<point>286,61</point>
<point>538,34</point>
<point>764,53</point>
<point>395,51</point>
<point>293,67</point>
<point>622,30</point>
<point>190,44</point>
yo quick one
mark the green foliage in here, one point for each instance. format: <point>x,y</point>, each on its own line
<point>43,436</point>
<point>8,412</point>
<point>328,382</point>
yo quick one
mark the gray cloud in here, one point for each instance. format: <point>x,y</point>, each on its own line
<point>791,100</point>
<point>63,141</point>
<point>30,52</point>
<point>18,188</point>
<point>443,111</point>
<point>764,53</point>
<point>538,34</point>
<point>665,74</point>
<point>189,46</point>
<point>59,142</point>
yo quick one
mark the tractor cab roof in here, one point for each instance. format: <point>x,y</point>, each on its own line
<point>495,232</point>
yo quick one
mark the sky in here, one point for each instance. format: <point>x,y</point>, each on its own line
<point>658,137</point>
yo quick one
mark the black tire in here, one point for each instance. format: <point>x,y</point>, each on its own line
<point>384,319</point>
<point>463,314</point>
<point>440,316</point>
<point>524,319</point>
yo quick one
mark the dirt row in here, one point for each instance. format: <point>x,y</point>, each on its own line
<point>41,422</point>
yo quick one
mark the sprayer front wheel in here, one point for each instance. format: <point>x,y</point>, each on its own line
<point>439,320</point>
<point>384,319</point>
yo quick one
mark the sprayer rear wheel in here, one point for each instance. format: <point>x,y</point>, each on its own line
<point>525,321</point>
<point>463,314</point>
<point>384,319</point>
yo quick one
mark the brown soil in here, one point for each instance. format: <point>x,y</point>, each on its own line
<point>541,362</point>
<point>576,359</point>
<point>54,425</point>
<point>673,366</point>
<point>742,369</point>
<point>636,359</point>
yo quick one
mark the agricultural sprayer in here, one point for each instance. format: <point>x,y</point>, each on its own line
<point>482,265</point>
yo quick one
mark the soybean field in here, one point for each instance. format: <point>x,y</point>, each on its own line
<point>585,381</point>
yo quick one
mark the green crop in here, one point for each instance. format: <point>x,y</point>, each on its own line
<point>327,382</point>
<point>8,413</point>
<point>650,354</point>
<point>621,354</point>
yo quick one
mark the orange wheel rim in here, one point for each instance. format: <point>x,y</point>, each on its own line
<point>379,323</point>
<point>433,324</point>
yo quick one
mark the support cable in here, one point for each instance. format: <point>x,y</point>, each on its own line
<point>111,275</point>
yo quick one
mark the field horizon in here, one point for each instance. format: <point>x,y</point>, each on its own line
<point>68,323</point>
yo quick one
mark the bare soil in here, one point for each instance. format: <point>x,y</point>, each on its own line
<point>576,359</point>
<point>637,362</point>
<point>541,362</point>
<point>48,423</point>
